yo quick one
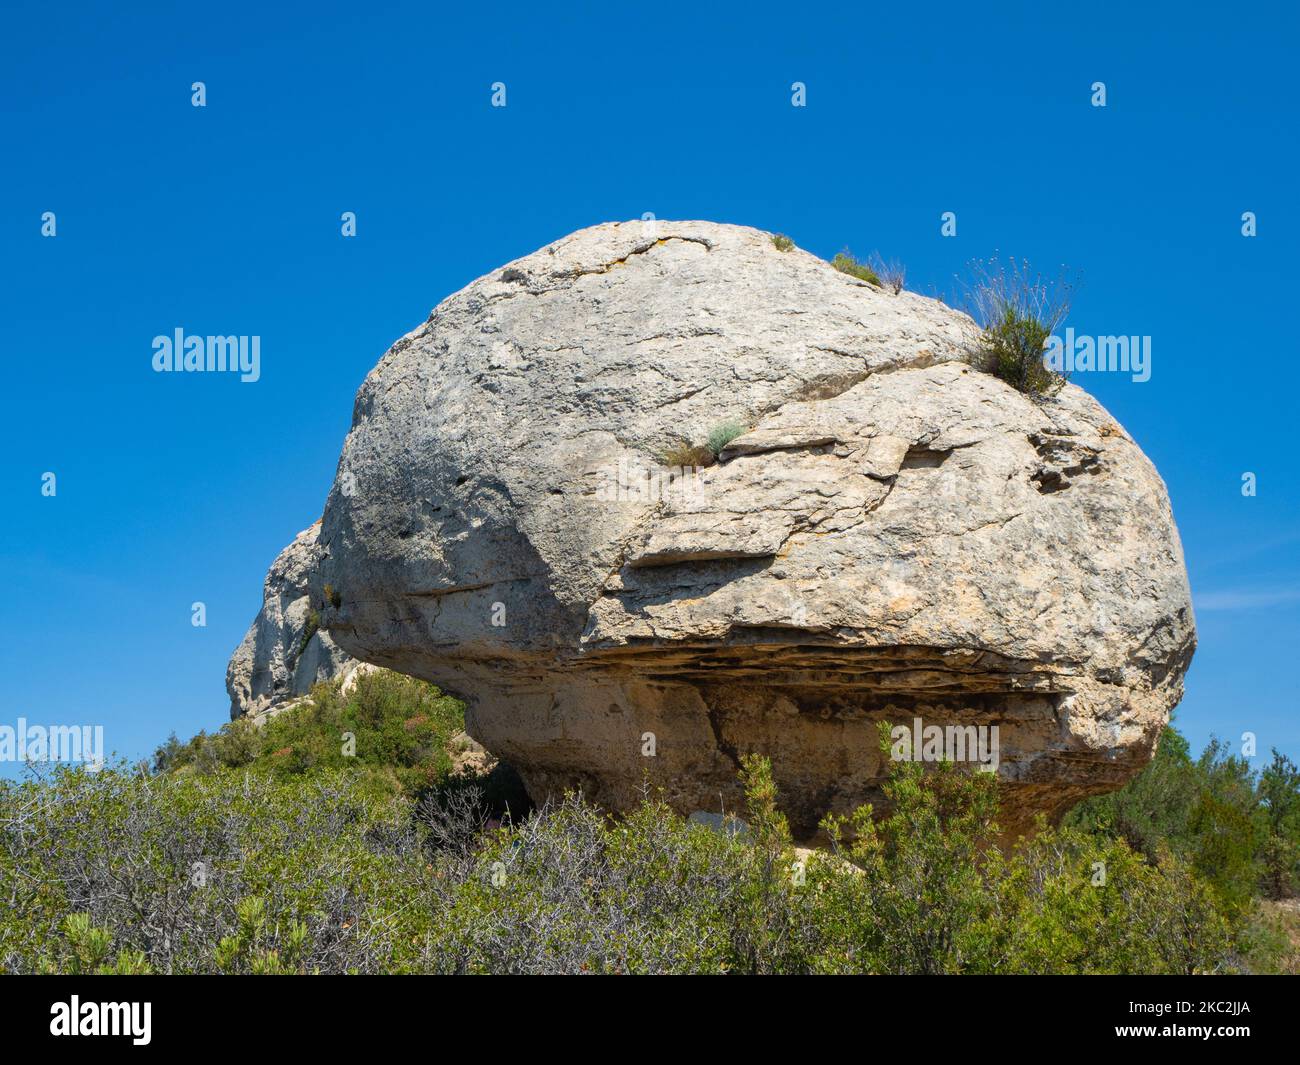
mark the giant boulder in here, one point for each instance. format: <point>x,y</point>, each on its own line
<point>895,536</point>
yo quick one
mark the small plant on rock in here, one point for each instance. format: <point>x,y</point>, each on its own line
<point>308,631</point>
<point>846,264</point>
<point>1018,312</point>
<point>722,435</point>
<point>687,455</point>
<point>781,242</point>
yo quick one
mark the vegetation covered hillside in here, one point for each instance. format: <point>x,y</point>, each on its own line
<point>278,851</point>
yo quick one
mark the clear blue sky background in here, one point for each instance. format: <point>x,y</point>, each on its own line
<point>176,488</point>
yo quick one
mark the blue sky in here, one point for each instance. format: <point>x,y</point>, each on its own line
<point>225,219</point>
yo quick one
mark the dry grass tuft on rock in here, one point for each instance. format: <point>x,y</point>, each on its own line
<point>686,455</point>
<point>781,242</point>
<point>1018,311</point>
<point>892,273</point>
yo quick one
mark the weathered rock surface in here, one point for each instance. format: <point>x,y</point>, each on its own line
<point>896,536</point>
<point>274,664</point>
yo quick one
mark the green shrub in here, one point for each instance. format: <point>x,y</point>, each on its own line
<point>269,850</point>
<point>157,869</point>
<point>85,951</point>
<point>935,894</point>
<point>846,264</point>
<point>1239,830</point>
<point>247,949</point>
<point>1270,942</point>
<point>1278,792</point>
<point>781,242</point>
<point>922,893</point>
<point>400,728</point>
<point>256,871</point>
<point>1069,903</point>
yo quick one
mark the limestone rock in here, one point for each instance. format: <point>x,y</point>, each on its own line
<point>285,653</point>
<point>895,536</point>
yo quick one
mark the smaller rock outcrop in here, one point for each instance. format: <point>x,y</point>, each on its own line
<point>285,653</point>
